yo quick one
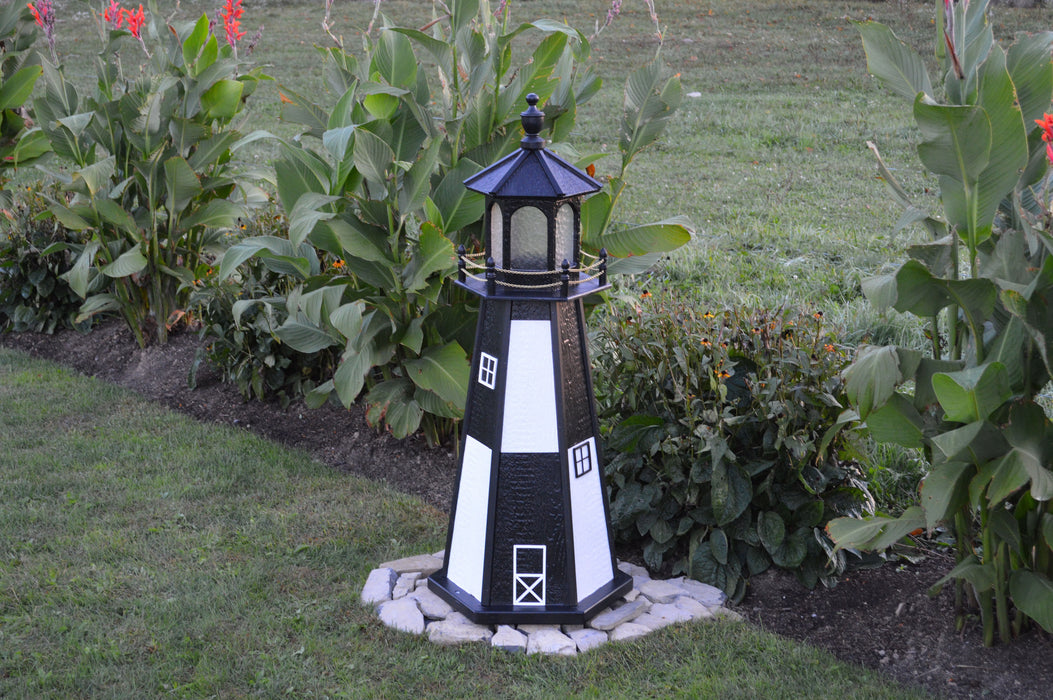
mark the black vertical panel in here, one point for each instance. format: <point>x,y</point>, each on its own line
<point>576,387</point>
<point>484,406</point>
<point>531,311</point>
<point>530,510</point>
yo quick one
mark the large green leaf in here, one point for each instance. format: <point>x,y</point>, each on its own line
<point>872,378</point>
<point>981,576</point>
<point>1009,148</point>
<point>918,291</point>
<point>896,422</point>
<point>443,370</point>
<point>182,183</point>
<point>1033,595</point>
<point>458,205</point>
<point>658,237</point>
<point>892,62</point>
<point>130,262</point>
<point>944,490</point>
<point>15,89</point>
<point>875,533</point>
<point>975,443</point>
<point>393,403</point>
<point>972,394</point>
<point>957,139</point>
<point>372,156</point>
<point>394,60</point>
<point>216,213</point>
<point>303,336</point>
<point>1032,72</point>
<point>731,492</point>
<point>432,254</point>
<point>309,209</point>
<point>223,100</point>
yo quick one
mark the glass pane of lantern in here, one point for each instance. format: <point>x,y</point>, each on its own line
<point>497,238</point>
<point>529,238</point>
<point>565,235</point>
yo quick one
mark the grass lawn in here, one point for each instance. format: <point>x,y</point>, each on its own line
<point>146,555</point>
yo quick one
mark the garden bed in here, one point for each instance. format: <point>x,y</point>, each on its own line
<point>879,618</point>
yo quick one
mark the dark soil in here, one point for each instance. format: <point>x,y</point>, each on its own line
<point>879,618</point>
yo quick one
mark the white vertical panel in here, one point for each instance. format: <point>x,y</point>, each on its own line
<point>530,390</point>
<point>592,555</point>
<point>468,543</point>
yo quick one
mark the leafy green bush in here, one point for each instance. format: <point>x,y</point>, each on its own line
<point>723,444</point>
<point>377,182</point>
<point>984,285</point>
<point>240,316</point>
<point>34,257</point>
<point>151,176</point>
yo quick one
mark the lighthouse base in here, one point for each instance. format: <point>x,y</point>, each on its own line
<point>579,614</point>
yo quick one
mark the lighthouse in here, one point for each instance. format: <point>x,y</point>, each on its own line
<point>529,540</point>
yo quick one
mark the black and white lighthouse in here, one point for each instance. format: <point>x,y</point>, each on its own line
<point>529,538</point>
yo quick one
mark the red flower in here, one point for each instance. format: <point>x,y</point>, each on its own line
<point>112,14</point>
<point>134,19</point>
<point>1046,122</point>
<point>36,15</point>
<point>231,13</point>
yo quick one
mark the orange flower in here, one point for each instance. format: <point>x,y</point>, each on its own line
<point>829,347</point>
<point>591,169</point>
<point>1046,122</point>
<point>705,342</point>
<point>339,264</point>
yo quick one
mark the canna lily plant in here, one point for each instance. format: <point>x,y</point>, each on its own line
<point>983,283</point>
<point>19,72</point>
<point>150,182</point>
<point>375,182</point>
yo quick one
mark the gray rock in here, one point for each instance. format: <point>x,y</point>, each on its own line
<point>378,586</point>
<point>433,607</point>
<point>425,564</point>
<point>551,641</point>
<point>456,629</point>
<point>627,631</point>
<point>402,614</point>
<point>509,639</point>
<point>693,607</point>
<point>661,591</point>
<point>587,639</point>
<point>709,596</point>
<point>531,629</point>
<point>405,584</point>
<point>670,612</point>
<point>610,619</point>
<point>632,595</point>
<point>633,569</point>
<point>653,623</point>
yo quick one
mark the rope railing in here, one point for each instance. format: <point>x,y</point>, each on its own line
<point>594,271</point>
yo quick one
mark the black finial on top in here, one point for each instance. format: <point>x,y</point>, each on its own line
<point>533,120</point>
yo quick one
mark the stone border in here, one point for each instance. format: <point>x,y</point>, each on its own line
<point>399,591</point>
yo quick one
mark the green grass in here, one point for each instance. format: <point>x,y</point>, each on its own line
<point>143,554</point>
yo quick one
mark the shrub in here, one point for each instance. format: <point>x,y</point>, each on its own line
<point>240,316</point>
<point>984,286</point>
<point>34,257</point>
<point>724,450</point>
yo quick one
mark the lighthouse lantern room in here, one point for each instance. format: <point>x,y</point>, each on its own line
<point>529,539</point>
